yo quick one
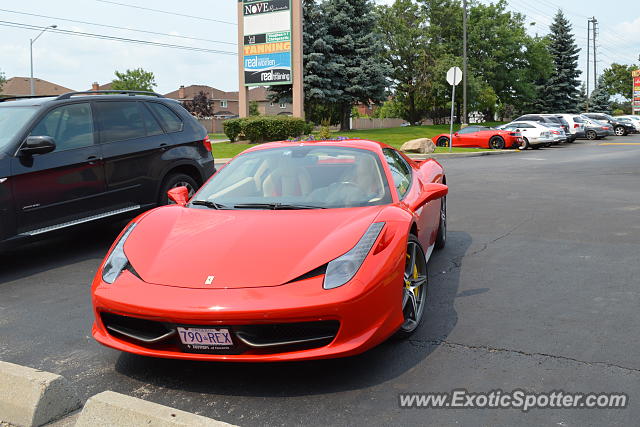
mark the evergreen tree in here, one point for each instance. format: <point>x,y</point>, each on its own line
<point>582,98</point>
<point>355,66</point>
<point>562,86</point>
<point>600,101</point>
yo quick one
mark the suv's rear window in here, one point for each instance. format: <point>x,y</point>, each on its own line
<point>170,121</point>
<point>12,119</point>
<point>120,121</point>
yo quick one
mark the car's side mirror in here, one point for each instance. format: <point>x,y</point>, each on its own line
<point>455,134</point>
<point>37,145</point>
<point>179,195</point>
<point>432,191</point>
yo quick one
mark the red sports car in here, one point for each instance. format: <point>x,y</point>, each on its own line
<point>483,137</point>
<point>292,251</point>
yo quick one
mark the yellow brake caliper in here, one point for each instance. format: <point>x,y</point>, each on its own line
<point>415,276</point>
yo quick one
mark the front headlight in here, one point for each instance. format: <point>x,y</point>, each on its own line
<point>117,260</point>
<point>342,269</point>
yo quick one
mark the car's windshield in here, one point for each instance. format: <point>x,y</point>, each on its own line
<point>12,119</point>
<point>304,176</point>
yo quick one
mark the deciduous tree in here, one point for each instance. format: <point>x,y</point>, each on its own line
<point>617,80</point>
<point>137,79</point>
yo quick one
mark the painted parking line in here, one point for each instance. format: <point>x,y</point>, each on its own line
<point>619,143</point>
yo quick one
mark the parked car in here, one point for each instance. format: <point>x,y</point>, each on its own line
<point>549,121</point>
<point>344,232</point>
<point>628,121</point>
<point>534,134</point>
<point>594,129</point>
<point>634,119</point>
<point>575,128</point>
<point>87,156</point>
<point>482,137</point>
<point>619,128</point>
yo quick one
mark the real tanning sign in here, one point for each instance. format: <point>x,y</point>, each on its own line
<point>267,42</point>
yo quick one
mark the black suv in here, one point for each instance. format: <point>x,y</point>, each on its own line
<point>87,156</point>
<point>620,128</point>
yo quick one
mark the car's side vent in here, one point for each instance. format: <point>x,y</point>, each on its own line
<point>313,273</point>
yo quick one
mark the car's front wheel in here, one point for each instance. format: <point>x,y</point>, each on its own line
<point>414,291</point>
<point>173,181</point>
<point>620,131</point>
<point>591,135</point>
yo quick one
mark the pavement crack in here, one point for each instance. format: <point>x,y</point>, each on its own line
<point>454,345</point>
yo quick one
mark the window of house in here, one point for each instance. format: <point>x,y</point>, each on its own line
<point>283,105</point>
<point>223,103</point>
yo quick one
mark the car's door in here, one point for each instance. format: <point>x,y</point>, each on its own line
<point>132,143</point>
<point>406,183</point>
<point>64,186</point>
<point>467,137</point>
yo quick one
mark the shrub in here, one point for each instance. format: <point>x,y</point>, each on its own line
<point>232,128</point>
<point>263,129</point>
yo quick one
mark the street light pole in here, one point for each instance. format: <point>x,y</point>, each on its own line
<point>31,42</point>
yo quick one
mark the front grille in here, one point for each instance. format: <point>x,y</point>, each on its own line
<point>269,338</point>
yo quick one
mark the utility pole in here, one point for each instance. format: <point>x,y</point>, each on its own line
<point>588,63</point>
<point>595,61</point>
<point>465,118</point>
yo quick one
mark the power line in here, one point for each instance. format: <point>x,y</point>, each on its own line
<point>166,12</point>
<point>116,27</point>
<point>120,39</point>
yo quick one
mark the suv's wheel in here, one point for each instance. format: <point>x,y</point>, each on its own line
<point>173,181</point>
<point>591,135</point>
<point>620,130</point>
<point>414,291</point>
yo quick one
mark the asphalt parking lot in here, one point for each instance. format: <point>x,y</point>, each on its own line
<point>537,289</point>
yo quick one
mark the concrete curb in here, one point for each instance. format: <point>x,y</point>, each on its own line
<point>457,155</point>
<point>29,397</point>
<point>114,409</point>
<point>434,155</point>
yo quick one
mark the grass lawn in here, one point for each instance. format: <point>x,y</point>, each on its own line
<point>392,136</point>
<point>217,136</point>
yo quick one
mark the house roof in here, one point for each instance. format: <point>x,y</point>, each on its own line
<point>106,86</point>
<point>20,86</point>
<point>191,91</point>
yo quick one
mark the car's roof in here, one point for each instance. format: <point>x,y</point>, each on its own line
<point>38,101</point>
<point>364,144</point>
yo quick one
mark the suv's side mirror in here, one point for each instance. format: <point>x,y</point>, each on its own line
<point>179,195</point>
<point>37,145</point>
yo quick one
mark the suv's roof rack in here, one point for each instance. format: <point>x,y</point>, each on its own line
<point>13,98</point>
<point>68,95</point>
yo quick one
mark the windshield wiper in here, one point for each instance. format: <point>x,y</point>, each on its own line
<point>209,204</point>
<point>275,206</point>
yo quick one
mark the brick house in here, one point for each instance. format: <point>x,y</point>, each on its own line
<point>265,106</point>
<point>225,104</point>
<point>21,86</point>
<point>97,86</point>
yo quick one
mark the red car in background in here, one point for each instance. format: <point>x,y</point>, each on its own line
<point>481,137</point>
<point>292,251</point>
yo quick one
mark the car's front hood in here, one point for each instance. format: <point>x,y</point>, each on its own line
<point>200,248</point>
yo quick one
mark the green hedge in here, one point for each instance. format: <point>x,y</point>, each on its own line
<point>263,129</point>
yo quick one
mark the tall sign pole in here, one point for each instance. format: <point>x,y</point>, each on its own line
<point>588,60</point>
<point>298,79</point>
<point>454,76</point>
<point>270,48</point>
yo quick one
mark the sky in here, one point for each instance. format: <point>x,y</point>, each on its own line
<point>75,62</point>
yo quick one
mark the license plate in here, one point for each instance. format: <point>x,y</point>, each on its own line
<point>205,339</point>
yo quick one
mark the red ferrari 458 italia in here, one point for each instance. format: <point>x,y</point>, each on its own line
<point>482,137</point>
<point>292,251</point>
